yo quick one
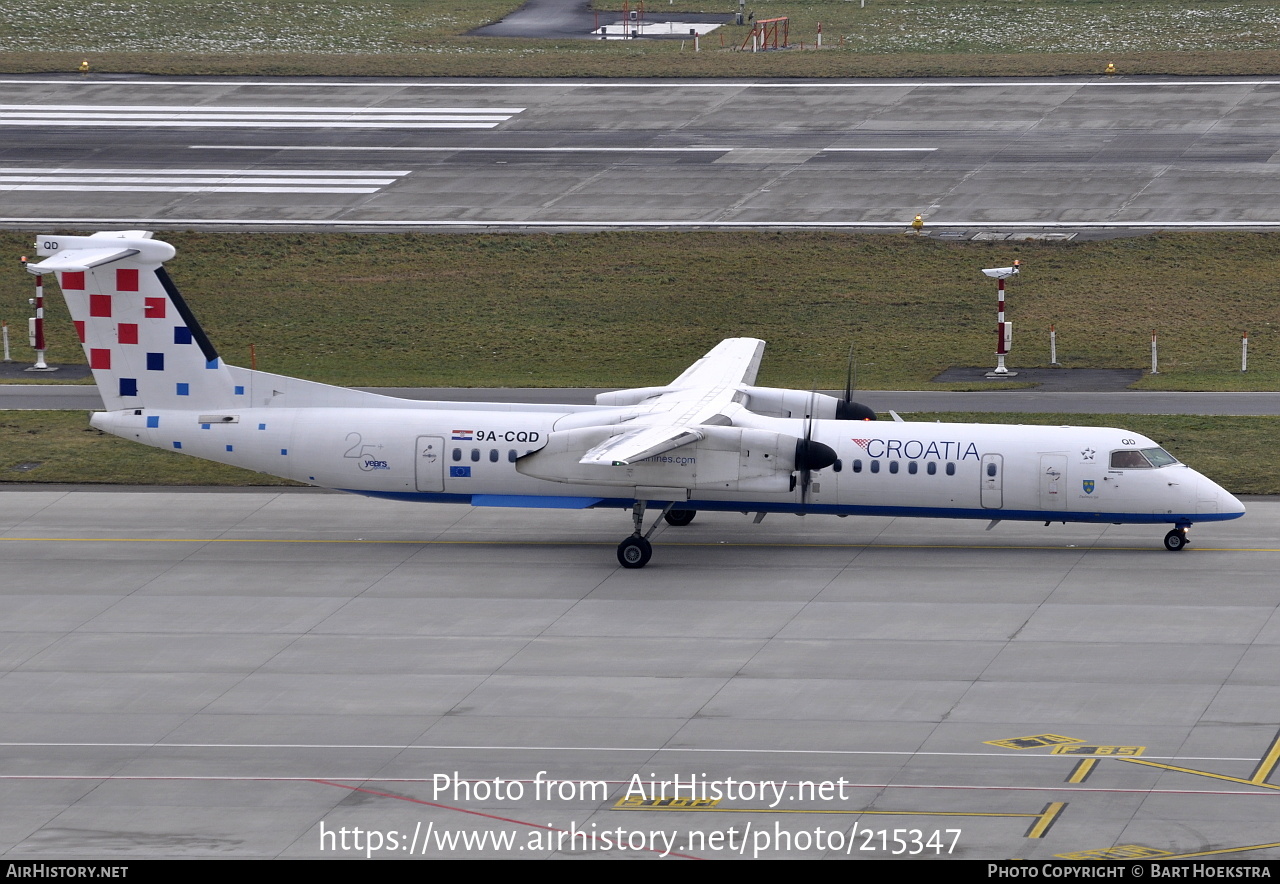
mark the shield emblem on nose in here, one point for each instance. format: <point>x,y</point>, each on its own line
<point>1088,486</point>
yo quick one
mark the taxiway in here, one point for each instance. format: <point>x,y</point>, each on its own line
<point>234,674</point>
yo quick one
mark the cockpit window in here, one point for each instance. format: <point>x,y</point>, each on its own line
<point>1159,457</point>
<point>1129,459</point>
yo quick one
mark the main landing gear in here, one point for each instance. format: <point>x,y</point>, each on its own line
<point>1176,539</point>
<point>636,550</point>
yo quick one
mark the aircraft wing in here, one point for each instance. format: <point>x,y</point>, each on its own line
<point>732,361</point>
<point>707,393</point>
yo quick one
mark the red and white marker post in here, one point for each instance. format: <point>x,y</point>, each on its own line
<point>36,330</point>
<point>1004,330</point>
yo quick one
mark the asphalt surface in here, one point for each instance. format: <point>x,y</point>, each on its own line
<point>86,398</point>
<point>988,158</point>
<point>236,674</point>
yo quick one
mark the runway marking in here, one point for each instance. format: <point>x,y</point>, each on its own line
<point>197,180</point>
<point>253,116</point>
<point>275,173</point>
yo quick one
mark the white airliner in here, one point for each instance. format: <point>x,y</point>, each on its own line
<point>709,440</point>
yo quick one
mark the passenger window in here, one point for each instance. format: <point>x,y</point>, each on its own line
<point>475,455</point>
<point>857,466</point>
<point>511,456</point>
<point>493,455</point>
<point>837,466</point>
<point>991,469</point>
<point>951,468</point>
<point>893,466</point>
<point>457,454</point>
<point>932,468</point>
<point>912,467</point>
<point>875,466</point>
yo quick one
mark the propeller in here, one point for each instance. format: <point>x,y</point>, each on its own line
<point>811,455</point>
<point>846,408</point>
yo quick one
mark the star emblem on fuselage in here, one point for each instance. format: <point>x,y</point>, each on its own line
<point>1087,454</point>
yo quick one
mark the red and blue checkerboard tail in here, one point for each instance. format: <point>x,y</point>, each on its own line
<point>145,348</point>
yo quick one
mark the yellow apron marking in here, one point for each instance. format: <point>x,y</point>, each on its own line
<point>1081,771</point>
<point>1268,763</point>
<point>1034,742</point>
<point>1106,751</point>
<point>1120,851</point>
<point>1040,825</point>
<point>1046,818</point>
<point>1223,850</point>
<point>1200,773</point>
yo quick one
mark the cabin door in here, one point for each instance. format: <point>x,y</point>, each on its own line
<point>429,463</point>
<point>992,481</point>
<point>1053,481</point>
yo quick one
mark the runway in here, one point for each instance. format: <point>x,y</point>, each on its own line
<point>262,674</point>
<point>974,157</point>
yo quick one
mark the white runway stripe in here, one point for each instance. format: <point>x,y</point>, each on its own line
<point>301,173</point>
<point>232,124</point>
<point>183,179</point>
<point>253,116</point>
<point>259,108</point>
<point>184,188</point>
<point>196,180</point>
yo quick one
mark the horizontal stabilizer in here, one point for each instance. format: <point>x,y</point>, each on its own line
<point>80,259</point>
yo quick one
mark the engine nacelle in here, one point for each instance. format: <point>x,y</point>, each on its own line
<point>726,459</point>
<point>777,402</point>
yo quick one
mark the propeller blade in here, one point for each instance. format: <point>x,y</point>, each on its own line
<point>848,377</point>
<point>846,408</point>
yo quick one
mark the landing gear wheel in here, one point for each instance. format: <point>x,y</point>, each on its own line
<point>634,552</point>
<point>1176,540</point>
<point>680,518</point>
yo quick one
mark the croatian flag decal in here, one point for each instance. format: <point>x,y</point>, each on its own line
<point>463,435</point>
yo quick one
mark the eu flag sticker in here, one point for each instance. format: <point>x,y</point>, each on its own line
<point>459,472</point>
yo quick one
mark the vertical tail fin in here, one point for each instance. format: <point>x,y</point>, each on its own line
<point>145,348</point>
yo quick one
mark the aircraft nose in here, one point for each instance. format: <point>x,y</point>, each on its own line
<point>1213,498</point>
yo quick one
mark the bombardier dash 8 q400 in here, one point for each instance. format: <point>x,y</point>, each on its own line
<point>709,440</point>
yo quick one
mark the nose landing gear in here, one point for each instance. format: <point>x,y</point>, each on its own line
<point>1176,539</point>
